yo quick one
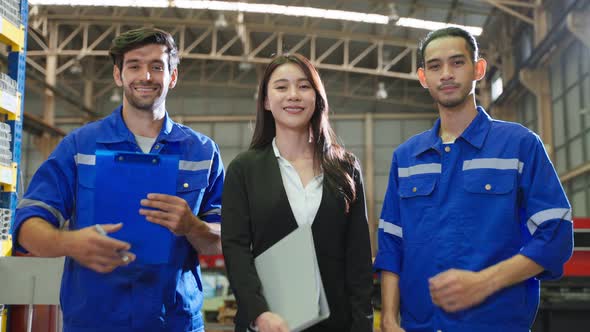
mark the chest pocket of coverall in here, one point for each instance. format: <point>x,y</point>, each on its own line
<point>191,186</point>
<point>492,194</point>
<point>490,182</point>
<point>416,210</point>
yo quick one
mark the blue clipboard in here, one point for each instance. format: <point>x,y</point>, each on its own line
<point>122,180</point>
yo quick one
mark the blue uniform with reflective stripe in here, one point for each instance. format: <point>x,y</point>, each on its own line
<point>166,297</point>
<point>490,195</point>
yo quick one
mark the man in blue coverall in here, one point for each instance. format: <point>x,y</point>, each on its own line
<point>474,215</point>
<point>103,289</point>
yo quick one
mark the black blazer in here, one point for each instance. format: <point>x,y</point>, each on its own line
<point>256,214</point>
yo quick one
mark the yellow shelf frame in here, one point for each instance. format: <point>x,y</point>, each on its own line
<point>12,35</point>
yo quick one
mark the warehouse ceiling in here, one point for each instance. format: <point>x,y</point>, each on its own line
<point>226,51</point>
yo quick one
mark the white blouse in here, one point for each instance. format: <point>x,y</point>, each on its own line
<point>304,201</point>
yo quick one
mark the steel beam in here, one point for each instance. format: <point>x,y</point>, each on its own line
<point>73,35</point>
<point>502,5</point>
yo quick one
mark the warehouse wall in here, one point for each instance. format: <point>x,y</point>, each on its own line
<point>570,96</point>
<point>570,93</point>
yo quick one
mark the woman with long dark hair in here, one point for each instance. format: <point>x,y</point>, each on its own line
<point>295,173</point>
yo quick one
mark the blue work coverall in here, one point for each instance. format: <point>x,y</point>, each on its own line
<point>137,297</point>
<point>488,196</point>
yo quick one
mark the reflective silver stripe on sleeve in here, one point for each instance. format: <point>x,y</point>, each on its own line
<point>210,212</point>
<point>25,202</point>
<point>493,163</point>
<point>391,228</point>
<point>542,216</point>
<point>85,159</point>
<point>185,165</point>
<point>404,172</point>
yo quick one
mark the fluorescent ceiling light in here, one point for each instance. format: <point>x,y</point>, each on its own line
<point>104,3</point>
<point>283,10</point>
<point>432,25</point>
<point>497,88</point>
<point>228,6</point>
<point>263,9</point>
<point>381,92</point>
<point>116,96</point>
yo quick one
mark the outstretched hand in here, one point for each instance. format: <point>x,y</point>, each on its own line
<point>96,251</point>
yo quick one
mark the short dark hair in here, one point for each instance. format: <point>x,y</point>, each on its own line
<point>449,32</point>
<point>137,38</point>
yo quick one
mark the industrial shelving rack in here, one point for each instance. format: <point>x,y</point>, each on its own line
<point>13,32</point>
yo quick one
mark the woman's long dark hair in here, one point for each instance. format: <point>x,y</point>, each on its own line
<point>335,162</point>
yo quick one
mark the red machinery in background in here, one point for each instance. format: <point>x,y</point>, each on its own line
<point>579,264</point>
<point>211,261</point>
<point>565,303</point>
